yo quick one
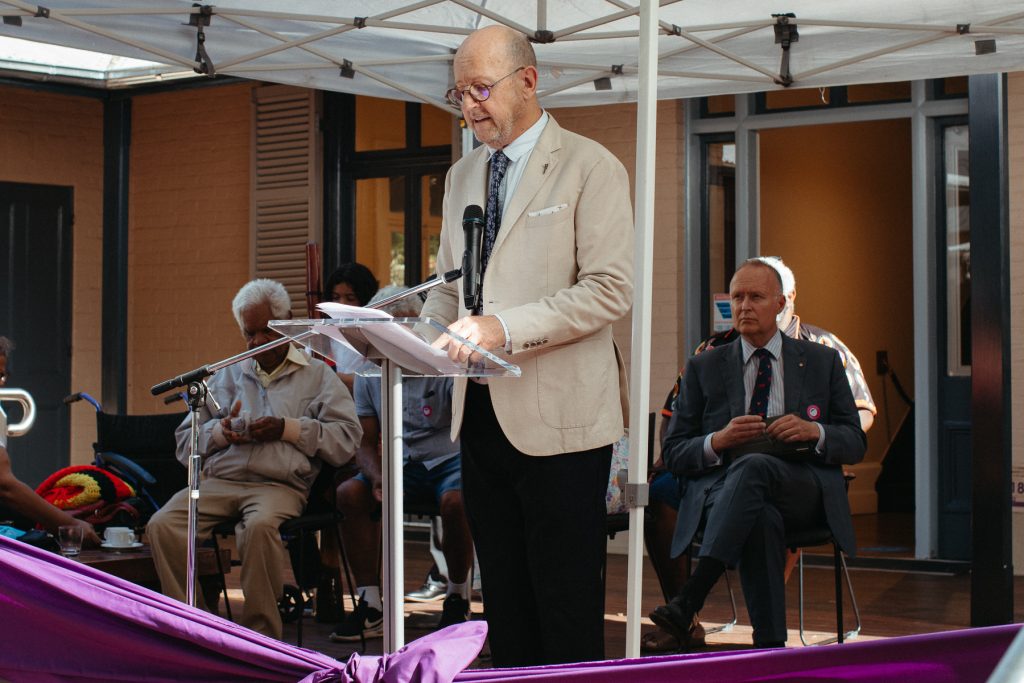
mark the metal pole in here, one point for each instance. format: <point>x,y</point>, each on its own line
<point>393,569</point>
<point>640,356</point>
<point>196,400</point>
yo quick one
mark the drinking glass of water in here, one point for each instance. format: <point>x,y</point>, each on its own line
<point>70,540</point>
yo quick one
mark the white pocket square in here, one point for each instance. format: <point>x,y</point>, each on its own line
<point>548,211</point>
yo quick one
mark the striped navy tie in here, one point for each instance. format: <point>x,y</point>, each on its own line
<point>499,164</point>
<point>762,385</point>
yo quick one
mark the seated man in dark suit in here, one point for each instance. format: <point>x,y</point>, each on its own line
<point>659,527</point>
<point>759,435</point>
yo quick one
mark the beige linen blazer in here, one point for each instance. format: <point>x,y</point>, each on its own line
<point>560,273</point>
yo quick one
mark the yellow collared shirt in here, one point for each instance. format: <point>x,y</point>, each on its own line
<point>294,356</point>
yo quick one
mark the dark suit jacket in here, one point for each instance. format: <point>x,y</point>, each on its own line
<point>815,387</point>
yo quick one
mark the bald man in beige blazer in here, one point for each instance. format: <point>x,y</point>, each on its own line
<point>536,449</point>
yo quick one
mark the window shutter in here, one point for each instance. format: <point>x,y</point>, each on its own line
<point>286,187</point>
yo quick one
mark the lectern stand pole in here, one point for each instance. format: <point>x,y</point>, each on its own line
<point>394,553</point>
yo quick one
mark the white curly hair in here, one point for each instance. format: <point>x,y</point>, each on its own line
<point>262,291</point>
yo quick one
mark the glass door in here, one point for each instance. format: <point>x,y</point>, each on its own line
<point>954,352</point>
<point>718,224</point>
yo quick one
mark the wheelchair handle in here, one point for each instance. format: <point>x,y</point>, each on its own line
<point>82,396</point>
<point>136,471</point>
<point>27,404</point>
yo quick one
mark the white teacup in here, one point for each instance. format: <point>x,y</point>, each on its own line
<point>118,536</point>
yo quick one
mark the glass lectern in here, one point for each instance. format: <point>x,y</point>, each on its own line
<point>388,347</point>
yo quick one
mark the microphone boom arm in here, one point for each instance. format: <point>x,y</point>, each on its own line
<point>422,287</point>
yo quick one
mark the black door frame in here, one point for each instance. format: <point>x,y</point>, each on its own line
<point>991,397</point>
<point>343,167</point>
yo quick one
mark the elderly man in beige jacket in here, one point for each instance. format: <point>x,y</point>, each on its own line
<point>536,449</point>
<point>282,416</point>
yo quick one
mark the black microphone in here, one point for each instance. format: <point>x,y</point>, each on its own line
<point>181,380</point>
<point>472,278</point>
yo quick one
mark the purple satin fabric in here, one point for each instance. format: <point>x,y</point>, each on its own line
<point>952,656</point>
<point>63,621</point>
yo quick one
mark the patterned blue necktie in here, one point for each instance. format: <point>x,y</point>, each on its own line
<point>499,164</point>
<point>762,385</point>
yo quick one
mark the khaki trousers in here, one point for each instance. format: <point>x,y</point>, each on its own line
<point>259,509</point>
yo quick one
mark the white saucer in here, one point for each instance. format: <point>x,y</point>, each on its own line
<point>134,546</point>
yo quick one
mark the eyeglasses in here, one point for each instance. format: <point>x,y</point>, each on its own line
<point>478,91</point>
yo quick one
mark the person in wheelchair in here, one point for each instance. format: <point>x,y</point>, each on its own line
<point>431,476</point>
<point>20,506</point>
<point>282,414</point>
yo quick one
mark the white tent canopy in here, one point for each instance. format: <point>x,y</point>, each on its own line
<point>403,49</point>
<point>590,52</point>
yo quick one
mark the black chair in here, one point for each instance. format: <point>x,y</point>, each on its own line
<point>142,450</point>
<point>420,509</point>
<point>821,536</point>
<point>298,534</point>
<point>796,542</point>
<point>302,529</point>
<point>147,442</point>
<point>817,536</point>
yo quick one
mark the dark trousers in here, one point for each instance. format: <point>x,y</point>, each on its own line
<point>748,513</point>
<point>538,524</point>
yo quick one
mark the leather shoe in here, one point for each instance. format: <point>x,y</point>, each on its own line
<point>676,618</point>
<point>430,591</point>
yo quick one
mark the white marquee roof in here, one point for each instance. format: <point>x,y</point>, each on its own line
<point>402,49</point>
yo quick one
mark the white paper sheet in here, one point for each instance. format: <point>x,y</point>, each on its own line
<point>395,341</point>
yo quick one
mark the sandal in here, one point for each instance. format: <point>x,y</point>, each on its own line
<point>659,640</point>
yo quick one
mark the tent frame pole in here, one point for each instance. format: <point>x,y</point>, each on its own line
<point>640,356</point>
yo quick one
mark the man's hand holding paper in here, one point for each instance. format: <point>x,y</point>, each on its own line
<point>483,330</point>
<point>784,436</point>
<point>790,428</point>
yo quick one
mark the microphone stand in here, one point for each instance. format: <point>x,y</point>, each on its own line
<point>196,396</point>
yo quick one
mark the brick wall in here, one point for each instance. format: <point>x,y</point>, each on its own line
<point>52,139</point>
<point>189,237</point>
<point>188,226</point>
<point>614,126</point>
